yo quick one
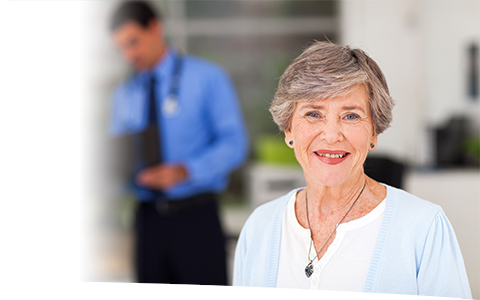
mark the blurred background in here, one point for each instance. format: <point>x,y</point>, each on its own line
<point>428,50</point>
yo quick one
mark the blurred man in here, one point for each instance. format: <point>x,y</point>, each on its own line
<point>189,135</point>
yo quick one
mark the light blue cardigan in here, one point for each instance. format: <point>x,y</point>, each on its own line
<point>416,252</point>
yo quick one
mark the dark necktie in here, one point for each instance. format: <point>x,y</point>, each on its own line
<point>153,120</point>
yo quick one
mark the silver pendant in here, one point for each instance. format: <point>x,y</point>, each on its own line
<point>309,270</point>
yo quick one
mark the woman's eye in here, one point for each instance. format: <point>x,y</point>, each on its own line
<point>313,114</point>
<point>351,117</point>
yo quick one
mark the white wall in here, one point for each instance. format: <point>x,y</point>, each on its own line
<point>449,27</point>
<point>421,46</point>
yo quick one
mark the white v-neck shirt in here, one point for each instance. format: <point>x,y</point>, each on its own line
<point>345,264</point>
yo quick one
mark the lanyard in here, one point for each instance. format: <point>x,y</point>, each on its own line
<point>175,83</point>
<point>171,107</point>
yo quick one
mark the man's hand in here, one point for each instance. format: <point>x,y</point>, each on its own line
<point>162,176</point>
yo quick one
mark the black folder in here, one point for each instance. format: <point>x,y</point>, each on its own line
<point>107,160</point>
<point>29,162</point>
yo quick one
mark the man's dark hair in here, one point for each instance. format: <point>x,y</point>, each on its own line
<point>137,11</point>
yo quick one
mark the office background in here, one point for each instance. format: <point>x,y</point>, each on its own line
<point>425,47</point>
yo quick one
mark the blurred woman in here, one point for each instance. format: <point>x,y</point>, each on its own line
<point>40,244</point>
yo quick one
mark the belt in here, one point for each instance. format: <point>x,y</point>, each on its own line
<point>173,207</point>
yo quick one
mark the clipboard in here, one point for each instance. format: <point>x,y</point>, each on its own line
<point>29,162</point>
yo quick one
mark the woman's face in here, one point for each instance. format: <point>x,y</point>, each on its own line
<point>44,91</point>
<point>332,137</point>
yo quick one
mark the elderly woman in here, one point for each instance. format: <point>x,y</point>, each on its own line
<point>344,230</point>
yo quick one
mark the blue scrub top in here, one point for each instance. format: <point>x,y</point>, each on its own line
<point>203,130</point>
<point>40,246</point>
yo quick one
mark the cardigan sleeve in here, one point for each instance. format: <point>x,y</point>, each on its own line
<point>256,254</point>
<point>441,271</point>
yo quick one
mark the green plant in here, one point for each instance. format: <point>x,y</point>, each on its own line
<point>273,150</point>
<point>471,147</point>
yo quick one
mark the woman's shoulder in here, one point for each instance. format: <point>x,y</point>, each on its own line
<point>411,220</point>
<point>404,198</point>
<point>410,208</point>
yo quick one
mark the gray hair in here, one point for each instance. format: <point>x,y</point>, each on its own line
<point>326,70</point>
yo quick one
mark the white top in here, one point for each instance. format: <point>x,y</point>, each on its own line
<point>345,264</point>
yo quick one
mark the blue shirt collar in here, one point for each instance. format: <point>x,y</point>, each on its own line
<point>163,67</point>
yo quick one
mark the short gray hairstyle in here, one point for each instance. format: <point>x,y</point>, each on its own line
<point>326,70</point>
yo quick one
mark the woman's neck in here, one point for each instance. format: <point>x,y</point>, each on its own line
<point>329,199</point>
<point>38,120</point>
<point>330,204</point>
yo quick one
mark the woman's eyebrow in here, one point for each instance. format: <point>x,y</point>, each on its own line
<point>320,107</point>
<point>311,106</point>
<point>353,107</point>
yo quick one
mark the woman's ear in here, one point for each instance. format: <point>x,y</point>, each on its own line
<point>288,138</point>
<point>373,142</point>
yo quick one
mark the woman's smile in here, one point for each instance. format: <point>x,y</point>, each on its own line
<point>331,157</point>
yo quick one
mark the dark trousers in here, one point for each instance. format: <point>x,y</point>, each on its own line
<point>187,247</point>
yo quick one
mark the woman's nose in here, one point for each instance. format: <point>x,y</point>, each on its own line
<point>332,131</point>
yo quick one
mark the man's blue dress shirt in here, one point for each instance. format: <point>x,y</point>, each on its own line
<point>205,132</point>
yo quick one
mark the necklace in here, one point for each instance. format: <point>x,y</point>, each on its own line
<point>309,267</point>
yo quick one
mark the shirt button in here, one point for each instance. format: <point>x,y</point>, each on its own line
<point>317,268</point>
<point>314,281</point>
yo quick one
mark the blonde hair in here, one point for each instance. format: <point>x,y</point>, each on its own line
<point>326,70</point>
<point>29,65</point>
